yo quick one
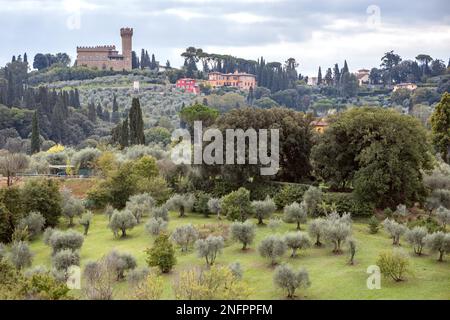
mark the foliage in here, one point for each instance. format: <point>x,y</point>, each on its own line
<point>140,205</point>
<point>243,232</point>
<point>151,288</point>
<point>184,236</point>
<point>438,242</point>
<point>61,240</point>
<point>209,248</point>
<point>272,247</point>
<point>337,230</point>
<point>237,205</point>
<point>263,209</point>
<point>64,259</point>
<point>160,213</point>
<point>393,264</point>
<point>162,254</point>
<point>312,198</point>
<point>86,220</point>
<point>215,206</point>
<point>180,202</point>
<point>289,194</point>
<point>374,225</point>
<point>395,230</point>
<point>120,262</point>
<point>289,280</point>
<point>297,241</point>
<point>416,238</point>
<point>33,223</point>
<point>20,255</point>
<point>296,213</point>
<point>99,279</point>
<point>122,221</point>
<point>156,226</point>
<point>201,203</point>
<point>71,206</point>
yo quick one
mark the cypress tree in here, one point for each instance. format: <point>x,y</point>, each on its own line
<point>124,134</point>
<point>142,59</point>
<point>336,75</point>
<point>35,141</point>
<point>58,120</point>
<point>136,123</point>
<point>345,69</point>
<point>92,114</point>
<point>115,118</point>
<point>77,99</point>
<point>319,77</point>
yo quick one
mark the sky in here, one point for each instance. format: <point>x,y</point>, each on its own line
<point>315,33</point>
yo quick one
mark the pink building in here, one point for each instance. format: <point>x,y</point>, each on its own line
<point>188,85</point>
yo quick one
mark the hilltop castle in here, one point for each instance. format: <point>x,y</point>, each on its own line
<point>107,57</point>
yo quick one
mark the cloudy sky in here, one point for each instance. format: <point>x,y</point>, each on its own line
<point>314,32</point>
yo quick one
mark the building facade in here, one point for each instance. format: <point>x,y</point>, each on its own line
<point>243,81</point>
<point>188,85</point>
<point>406,86</point>
<point>363,76</point>
<point>107,57</point>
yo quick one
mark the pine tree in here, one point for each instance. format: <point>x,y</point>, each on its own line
<point>35,140</point>
<point>136,123</point>
<point>124,134</point>
<point>319,77</point>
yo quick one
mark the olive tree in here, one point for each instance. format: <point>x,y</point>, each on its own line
<point>155,226</point>
<point>443,215</point>
<point>34,223</point>
<point>312,197</point>
<point>263,209</point>
<point>272,247</point>
<point>122,221</point>
<point>120,263</point>
<point>109,211</point>
<point>61,240</point>
<point>286,278</point>
<point>160,213</point>
<point>395,230</point>
<point>316,230</point>
<point>99,281</point>
<point>182,203</point>
<point>352,248</point>
<point>296,213</point>
<point>243,232</point>
<point>215,206</point>
<point>337,230</point>
<point>297,241</point>
<point>20,255</point>
<point>86,220</point>
<point>184,236</point>
<point>71,206</point>
<point>64,259</point>
<point>416,238</point>
<point>236,270</point>
<point>438,242</point>
<point>209,248</point>
<point>12,164</point>
<point>140,205</point>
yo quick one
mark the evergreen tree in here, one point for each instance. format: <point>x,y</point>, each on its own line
<point>58,118</point>
<point>77,103</point>
<point>251,96</point>
<point>115,118</point>
<point>329,77</point>
<point>142,59</point>
<point>99,111</point>
<point>92,114</point>
<point>25,58</point>
<point>319,77</point>
<point>134,60</point>
<point>35,141</point>
<point>136,123</point>
<point>345,69</point>
<point>440,122</point>
<point>124,134</point>
<point>168,64</point>
<point>153,65</point>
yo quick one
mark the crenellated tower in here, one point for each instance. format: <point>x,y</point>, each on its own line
<point>127,45</point>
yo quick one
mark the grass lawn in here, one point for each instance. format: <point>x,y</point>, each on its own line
<point>330,275</point>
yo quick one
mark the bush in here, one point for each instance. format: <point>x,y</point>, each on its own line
<point>184,236</point>
<point>99,279</point>
<point>237,205</point>
<point>150,288</point>
<point>20,255</point>
<point>243,232</point>
<point>416,238</point>
<point>347,202</point>
<point>290,194</point>
<point>395,230</point>
<point>136,276</point>
<point>272,247</point>
<point>352,248</point>
<point>316,230</point>
<point>155,226</point>
<point>289,280</point>
<point>33,223</point>
<point>297,241</point>
<point>64,259</point>
<point>61,240</point>
<point>236,270</point>
<point>122,221</point>
<point>438,242</point>
<point>209,248</point>
<point>120,263</point>
<point>201,203</point>
<point>214,229</point>
<point>43,196</point>
<point>215,206</point>
<point>263,209</point>
<point>86,220</point>
<point>274,224</point>
<point>374,225</point>
<point>162,254</point>
<point>443,215</point>
<point>312,197</point>
<point>296,213</point>
<point>393,264</point>
<point>181,203</point>
<point>428,222</point>
<point>140,206</point>
<point>160,213</point>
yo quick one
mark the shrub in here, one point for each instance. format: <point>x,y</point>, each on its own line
<point>122,221</point>
<point>352,249</point>
<point>181,203</point>
<point>150,288</point>
<point>214,229</point>
<point>215,206</point>
<point>184,236</point>
<point>161,213</point>
<point>155,226</point>
<point>312,197</point>
<point>272,247</point>
<point>274,224</point>
<point>289,280</point>
<point>201,203</point>
<point>20,255</point>
<point>393,264</point>
<point>136,276</point>
<point>316,230</point>
<point>140,206</point>
<point>86,220</point>
<point>297,241</point>
<point>289,194</point>
<point>216,283</point>
<point>109,211</point>
<point>337,230</point>
<point>438,242</point>
<point>427,222</point>
<point>236,270</point>
<point>395,230</point>
<point>209,248</point>
<point>162,254</point>
<point>120,263</point>
<point>443,215</point>
<point>374,225</point>
<point>401,211</point>
<point>33,223</point>
<point>61,240</point>
<point>243,232</point>
<point>99,280</point>
<point>237,205</point>
<point>64,259</point>
<point>263,209</point>
<point>296,213</point>
<point>416,238</point>
<point>347,202</point>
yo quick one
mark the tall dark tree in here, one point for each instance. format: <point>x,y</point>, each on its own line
<point>115,118</point>
<point>58,120</point>
<point>136,123</point>
<point>329,77</point>
<point>125,134</point>
<point>134,60</point>
<point>319,77</point>
<point>345,69</point>
<point>251,96</point>
<point>142,59</point>
<point>92,113</point>
<point>35,141</point>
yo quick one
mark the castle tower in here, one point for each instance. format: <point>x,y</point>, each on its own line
<point>127,46</point>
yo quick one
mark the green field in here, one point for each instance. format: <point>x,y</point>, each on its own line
<point>330,275</point>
